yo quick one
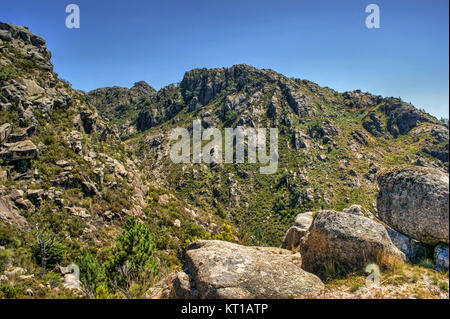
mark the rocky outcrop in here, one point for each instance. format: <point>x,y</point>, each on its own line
<point>374,125</point>
<point>354,210</point>
<point>9,214</point>
<point>203,85</point>
<point>358,99</point>
<point>346,240</point>
<point>34,49</point>
<point>301,140</point>
<point>300,102</point>
<point>403,117</point>
<point>114,102</point>
<point>220,269</point>
<point>24,150</point>
<point>414,201</point>
<point>5,131</point>
<point>88,118</point>
<point>160,107</point>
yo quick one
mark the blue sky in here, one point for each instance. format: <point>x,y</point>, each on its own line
<point>325,41</point>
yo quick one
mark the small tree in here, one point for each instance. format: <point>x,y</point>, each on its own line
<point>44,246</point>
<point>133,259</point>
<point>92,273</point>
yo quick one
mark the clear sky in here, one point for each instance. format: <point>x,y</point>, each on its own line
<point>325,41</point>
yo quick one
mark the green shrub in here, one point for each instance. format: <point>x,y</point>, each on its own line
<point>53,278</point>
<point>102,293</point>
<point>8,237</point>
<point>229,117</point>
<point>92,272</point>
<point>54,256</point>
<point>10,292</point>
<point>134,253</point>
<point>7,73</point>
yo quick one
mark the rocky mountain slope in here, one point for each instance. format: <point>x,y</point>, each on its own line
<point>65,171</point>
<point>78,169</point>
<point>331,145</point>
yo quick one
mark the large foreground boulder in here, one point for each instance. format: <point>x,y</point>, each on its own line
<point>293,238</point>
<point>219,269</point>
<point>414,201</point>
<point>347,241</point>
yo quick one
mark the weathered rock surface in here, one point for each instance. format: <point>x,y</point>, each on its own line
<point>35,46</point>
<point>354,210</point>
<point>10,215</point>
<point>412,249</point>
<point>403,117</point>
<point>359,99</point>
<point>220,269</point>
<point>293,237</point>
<point>348,240</point>
<point>5,131</point>
<point>373,124</point>
<point>441,257</point>
<point>414,201</point>
<point>24,150</point>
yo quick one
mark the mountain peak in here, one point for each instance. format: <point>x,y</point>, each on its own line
<point>143,88</point>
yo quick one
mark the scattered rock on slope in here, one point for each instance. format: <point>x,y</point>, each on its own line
<point>220,269</point>
<point>414,201</point>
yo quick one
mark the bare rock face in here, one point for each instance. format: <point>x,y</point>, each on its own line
<point>441,257</point>
<point>413,249</point>
<point>219,269</point>
<point>354,210</point>
<point>34,46</point>
<point>24,150</point>
<point>347,240</point>
<point>10,215</point>
<point>403,117</point>
<point>358,99</point>
<point>292,239</point>
<point>5,131</point>
<point>414,201</point>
